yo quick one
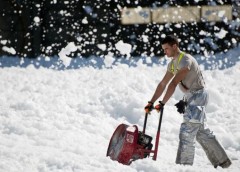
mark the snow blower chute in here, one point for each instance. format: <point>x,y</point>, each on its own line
<point>127,144</point>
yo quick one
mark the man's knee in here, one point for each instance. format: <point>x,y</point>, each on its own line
<point>204,135</point>
<point>188,132</point>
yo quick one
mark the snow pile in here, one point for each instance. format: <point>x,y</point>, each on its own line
<point>62,120</point>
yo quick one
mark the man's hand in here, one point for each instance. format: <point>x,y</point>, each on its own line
<point>159,106</point>
<point>149,107</point>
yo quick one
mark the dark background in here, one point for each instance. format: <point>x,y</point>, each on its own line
<point>61,23</point>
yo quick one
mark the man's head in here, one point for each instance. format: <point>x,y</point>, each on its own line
<point>170,45</point>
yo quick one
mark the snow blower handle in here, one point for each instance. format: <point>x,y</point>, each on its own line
<point>158,132</point>
<point>145,123</point>
<point>146,117</point>
<point>158,135</point>
<point>160,120</point>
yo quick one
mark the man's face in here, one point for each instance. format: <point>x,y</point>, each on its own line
<point>169,50</point>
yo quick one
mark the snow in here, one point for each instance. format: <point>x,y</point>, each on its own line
<point>71,47</point>
<point>36,19</point>
<point>102,46</point>
<point>60,119</point>
<point>84,21</point>
<point>221,34</point>
<point>221,13</point>
<point>3,42</point>
<point>124,48</point>
<point>108,60</point>
<point>10,50</point>
<point>145,38</point>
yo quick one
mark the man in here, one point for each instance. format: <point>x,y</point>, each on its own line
<point>183,70</point>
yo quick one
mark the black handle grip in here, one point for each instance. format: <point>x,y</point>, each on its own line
<point>145,122</point>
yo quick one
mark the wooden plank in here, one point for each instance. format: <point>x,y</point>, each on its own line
<point>217,13</point>
<point>176,14</point>
<point>135,15</point>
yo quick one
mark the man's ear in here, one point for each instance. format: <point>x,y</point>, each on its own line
<point>175,46</point>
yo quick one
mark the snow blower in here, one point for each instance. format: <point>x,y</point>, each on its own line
<point>127,144</point>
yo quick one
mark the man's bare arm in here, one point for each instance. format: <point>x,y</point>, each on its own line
<point>161,86</point>
<point>173,84</point>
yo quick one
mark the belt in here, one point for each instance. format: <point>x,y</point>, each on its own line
<point>184,86</point>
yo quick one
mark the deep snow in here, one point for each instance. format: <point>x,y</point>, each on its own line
<point>54,118</point>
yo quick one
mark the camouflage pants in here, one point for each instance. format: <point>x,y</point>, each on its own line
<point>186,150</point>
<point>193,128</point>
<point>196,104</point>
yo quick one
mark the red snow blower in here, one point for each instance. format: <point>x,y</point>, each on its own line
<point>127,144</point>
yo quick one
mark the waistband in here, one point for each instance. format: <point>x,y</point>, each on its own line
<point>191,93</point>
<point>197,91</point>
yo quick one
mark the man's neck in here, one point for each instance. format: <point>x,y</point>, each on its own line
<point>177,54</point>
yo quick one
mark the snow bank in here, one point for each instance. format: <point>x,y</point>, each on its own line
<point>62,120</point>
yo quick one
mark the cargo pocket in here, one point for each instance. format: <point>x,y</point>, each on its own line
<point>195,114</point>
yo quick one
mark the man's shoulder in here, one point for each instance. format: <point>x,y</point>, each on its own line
<point>187,55</point>
<point>189,58</point>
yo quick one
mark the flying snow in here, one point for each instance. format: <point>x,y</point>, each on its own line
<point>10,50</point>
<point>221,34</point>
<point>63,54</point>
<point>124,48</point>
